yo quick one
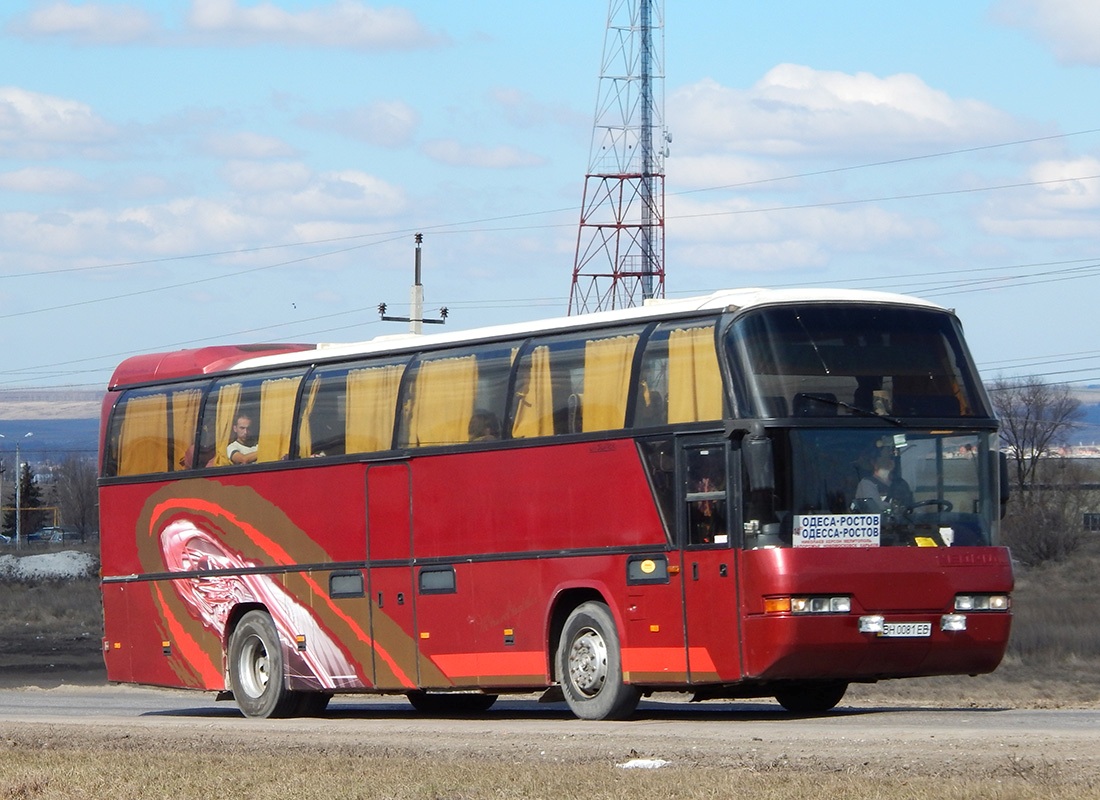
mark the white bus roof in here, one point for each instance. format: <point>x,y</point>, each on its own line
<point>723,300</point>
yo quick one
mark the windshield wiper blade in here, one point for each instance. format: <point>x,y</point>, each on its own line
<point>862,412</point>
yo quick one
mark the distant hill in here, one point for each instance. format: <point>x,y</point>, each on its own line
<point>49,404</point>
<point>62,422</point>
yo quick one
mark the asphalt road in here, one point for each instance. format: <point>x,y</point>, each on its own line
<point>926,740</point>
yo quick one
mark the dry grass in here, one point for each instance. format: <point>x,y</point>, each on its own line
<point>1053,661</point>
<point>47,767</point>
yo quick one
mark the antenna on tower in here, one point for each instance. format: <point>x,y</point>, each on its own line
<point>620,256</point>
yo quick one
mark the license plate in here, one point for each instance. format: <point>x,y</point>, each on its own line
<point>906,630</point>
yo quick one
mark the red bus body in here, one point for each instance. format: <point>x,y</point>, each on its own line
<point>456,571</point>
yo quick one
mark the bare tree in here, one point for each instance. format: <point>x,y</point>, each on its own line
<point>74,489</point>
<point>1036,418</point>
<point>1044,516</point>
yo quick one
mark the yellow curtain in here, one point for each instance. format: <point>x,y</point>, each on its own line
<point>185,418</point>
<point>534,414</point>
<point>229,396</point>
<point>143,437</point>
<point>694,380</point>
<point>443,402</point>
<point>607,381</point>
<point>276,418</point>
<point>372,407</point>
<point>305,430</point>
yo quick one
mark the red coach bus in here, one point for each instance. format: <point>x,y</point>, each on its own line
<point>752,494</point>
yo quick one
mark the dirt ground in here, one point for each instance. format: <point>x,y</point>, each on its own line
<point>706,741</point>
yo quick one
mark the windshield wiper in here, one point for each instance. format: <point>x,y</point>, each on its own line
<point>862,412</point>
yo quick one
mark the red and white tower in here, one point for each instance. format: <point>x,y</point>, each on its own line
<point>620,257</point>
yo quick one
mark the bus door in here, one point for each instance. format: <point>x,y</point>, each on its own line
<point>390,575</point>
<point>709,520</point>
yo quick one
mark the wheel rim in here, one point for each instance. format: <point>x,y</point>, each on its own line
<point>253,667</point>
<point>588,662</point>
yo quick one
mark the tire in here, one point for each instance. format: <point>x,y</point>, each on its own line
<point>445,704</point>
<point>811,698</point>
<point>590,666</point>
<point>257,674</point>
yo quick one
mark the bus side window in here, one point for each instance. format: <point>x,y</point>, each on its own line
<point>706,496</point>
<point>277,395</point>
<point>456,398</point>
<point>680,379</point>
<point>321,430</point>
<point>139,439</point>
<point>606,382</point>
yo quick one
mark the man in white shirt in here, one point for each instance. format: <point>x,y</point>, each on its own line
<point>240,451</point>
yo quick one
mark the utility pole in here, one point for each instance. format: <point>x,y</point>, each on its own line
<point>416,300</point>
<point>19,496</point>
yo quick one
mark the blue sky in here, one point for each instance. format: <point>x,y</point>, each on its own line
<point>179,174</point>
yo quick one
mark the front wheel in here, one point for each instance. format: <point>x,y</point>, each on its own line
<point>590,668</point>
<point>256,670</point>
<point>811,698</point>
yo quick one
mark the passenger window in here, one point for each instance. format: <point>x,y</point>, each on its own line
<point>456,397</point>
<point>574,384</point>
<point>350,409</point>
<point>251,419</point>
<point>680,380</point>
<point>153,431</point>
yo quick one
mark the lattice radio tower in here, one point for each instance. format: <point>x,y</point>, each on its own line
<point>620,257</point>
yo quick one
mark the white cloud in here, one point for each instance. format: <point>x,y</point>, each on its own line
<point>1062,205</point>
<point>89,23</point>
<point>253,176</point>
<point>36,125</point>
<point>456,154</point>
<point>524,111</point>
<point>386,123</point>
<point>796,110</point>
<point>245,144</point>
<point>344,194</point>
<point>269,202</point>
<point>1070,28</point>
<point>344,23</point>
<point>44,180</point>
<point>739,234</point>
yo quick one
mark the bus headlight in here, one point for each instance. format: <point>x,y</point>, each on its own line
<point>953,622</point>
<point>840,604</point>
<point>982,602</point>
<point>872,623</point>
<point>836,604</point>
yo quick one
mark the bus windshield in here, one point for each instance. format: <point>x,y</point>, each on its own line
<point>866,488</point>
<point>830,360</point>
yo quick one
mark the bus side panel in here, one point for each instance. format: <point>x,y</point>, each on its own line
<point>243,541</point>
<point>910,585</point>
<point>534,504</point>
<point>539,499</point>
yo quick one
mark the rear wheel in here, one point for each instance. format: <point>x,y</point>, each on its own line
<point>450,703</point>
<point>811,698</point>
<point>590,667</point>
<point>257,674</point>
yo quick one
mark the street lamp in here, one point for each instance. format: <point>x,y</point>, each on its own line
<point>18,491</point>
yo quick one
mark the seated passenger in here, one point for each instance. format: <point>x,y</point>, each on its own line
<point>484,426</point>
<point>242,450</point>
